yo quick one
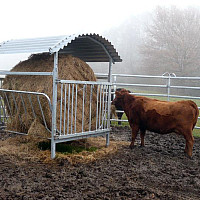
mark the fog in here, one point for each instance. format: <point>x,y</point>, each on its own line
<point>121,22</point>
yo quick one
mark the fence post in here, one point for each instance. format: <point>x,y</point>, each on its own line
<point>109,101</point>
<point>114,85</point>
<point>54,106</point>
<point>168,87</point>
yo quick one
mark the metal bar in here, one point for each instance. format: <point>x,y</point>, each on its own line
<point>100,106</point>
<point>54,105</point>
<point>16,107</point>
<point>26,73</point>
<point>72,111</point>
<point>140,85</point>
<point>27,92</point>
<point>68,108</point>
<point>97,107</point>
<point>65,104</point>
<point>90,115</point>
<point>106,103</point>
<point>4,110</point>
<point>23,104</point>
<point>102,117</point>
<point>146,76</point>
<point>8,103</point>
<point>83,108</point>
<point>44,120</point>
<point>61,99</point>
<point>75,108</point>
<point>29,97</point>
<point>83,82</point>
<point>43,117</point>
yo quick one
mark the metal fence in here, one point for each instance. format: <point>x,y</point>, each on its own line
<point>83,109</point>
<point>18,106</point>
<point>165,87</point>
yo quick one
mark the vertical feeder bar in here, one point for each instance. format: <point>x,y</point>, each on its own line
<point>100,106</point>
<point>54,104</point>
<point>68,108</point>
<point>102,117</point>
<point>109,102</point>
<point>65,103</point>
<point>168,87</point>
<point>75,109</point>
<point>91,92</point>
<point>61,99</point>
<point>72,108</point>
<point>97,107</point>
<point>83,109</point>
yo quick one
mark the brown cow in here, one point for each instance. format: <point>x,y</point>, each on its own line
<point>158,116</point>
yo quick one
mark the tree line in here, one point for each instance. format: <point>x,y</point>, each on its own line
<point>167,40</point>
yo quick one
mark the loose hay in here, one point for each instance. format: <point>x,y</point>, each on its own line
<point>69,68</point>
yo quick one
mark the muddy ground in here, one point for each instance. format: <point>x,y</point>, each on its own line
<point>160,170</point>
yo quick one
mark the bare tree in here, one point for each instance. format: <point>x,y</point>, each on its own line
<point>172,40</point>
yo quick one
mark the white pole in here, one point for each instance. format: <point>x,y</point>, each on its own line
<point>54,106</point>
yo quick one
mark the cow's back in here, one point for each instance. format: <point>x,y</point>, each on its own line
<point>163,116</point>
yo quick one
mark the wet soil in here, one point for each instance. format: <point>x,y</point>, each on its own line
<point>160,170</point>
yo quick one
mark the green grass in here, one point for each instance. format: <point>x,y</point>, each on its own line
<point>66,148</point>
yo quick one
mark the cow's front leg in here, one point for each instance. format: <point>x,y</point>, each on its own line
<point>135,130</point>
<point>142,134</point>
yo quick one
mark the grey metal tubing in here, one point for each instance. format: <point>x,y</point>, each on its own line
<point>97,107</point>
<point>26,73</point>
<point>16,107</point>
<point>106,102</point>
<point>65,103</point>
<point>100,106</point>
<point>68,107</point>
<point>147,76</point>
<point>43,117</point>
<point>8,103</point>
<point>24,106</point>
<point>75,108</point>
<point>72,108</point>
<point>27,92</point>
<point>4,111</point>
<point>140,85</point>
<point>90,117</point>
<point>103,111</point>
<point>61,100</point>
<point>29,97</point>
<point>83,108</point>
<point>83,82</point>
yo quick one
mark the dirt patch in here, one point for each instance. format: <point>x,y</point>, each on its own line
<point>158,171</point>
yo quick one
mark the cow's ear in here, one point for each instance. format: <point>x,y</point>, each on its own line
<point>124,91</point>
<point>118,94</point>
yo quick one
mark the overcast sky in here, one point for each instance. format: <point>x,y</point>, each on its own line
<point>36,18</point>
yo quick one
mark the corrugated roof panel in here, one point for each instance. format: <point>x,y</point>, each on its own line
<point>89,47</point>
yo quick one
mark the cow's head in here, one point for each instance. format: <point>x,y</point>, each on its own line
<point>119,98</point>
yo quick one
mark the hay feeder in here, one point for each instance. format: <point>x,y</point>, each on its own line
<point>78,108</point>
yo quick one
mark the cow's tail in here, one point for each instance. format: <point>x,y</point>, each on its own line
<point>196,112</point>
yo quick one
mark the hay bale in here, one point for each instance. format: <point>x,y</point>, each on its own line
<point>69,68</point>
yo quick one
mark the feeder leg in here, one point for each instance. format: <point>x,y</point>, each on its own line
<point>53,149</point>
<point>107,139</point>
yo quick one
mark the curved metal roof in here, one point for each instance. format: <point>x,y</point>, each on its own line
<point>88,47</point>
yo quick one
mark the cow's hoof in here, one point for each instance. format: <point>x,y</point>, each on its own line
<point>131,146</point>
<point>188,156</point>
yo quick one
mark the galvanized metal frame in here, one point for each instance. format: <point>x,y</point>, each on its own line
<point>53,45</point>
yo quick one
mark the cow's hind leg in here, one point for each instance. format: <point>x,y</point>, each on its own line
<point>189,143</point>
<point>135,130</point>
<point>142,134</point>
